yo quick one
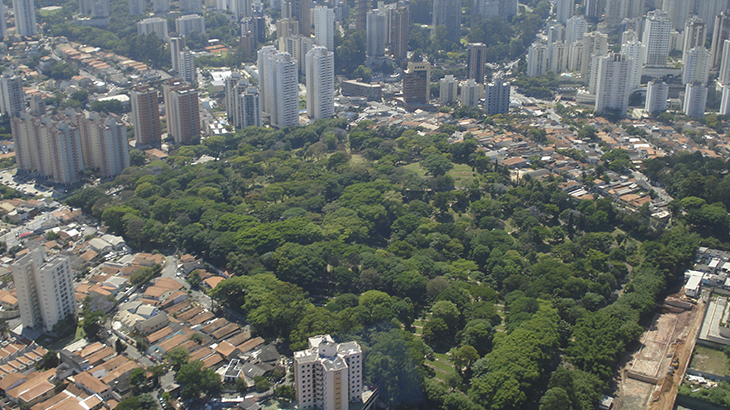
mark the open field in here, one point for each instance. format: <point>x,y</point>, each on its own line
<point>709,360</point>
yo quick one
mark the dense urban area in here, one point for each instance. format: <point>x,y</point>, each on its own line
<point>349,204</point>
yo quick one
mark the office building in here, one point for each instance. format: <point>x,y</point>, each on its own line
<point>12,97</point>
<point>725,102</point>
<point>320,83</point>
<point>300,11</point>
<point>3,26</point>
<point>376,33</point>
<point>177,45</point>
<point>417,83</point>
<point>575,28</point>
<point>694,35</point>
<point>160,6</point>
<point>145,115</point>
<point>400,29</point>
<point>448,13</point>
<point>657,38</point>
<point>25,24</point>
<point>186,66</point>
<point>497,96</point>
<point>635,51</point>
<point>476,61</point>
<point>328,375</point>
<point>471,93</point>
<point>183,112</point>
<point>243,106</point>
<point>448,89</point>
<point>45,289</point>
<point>363,7</point>
<point>324,27</point>
<point>185,25</point>
<point>537,59</point>
<point>696,66</point>
<point>564,10</point>
<point>191,7</point>
<point>136,7</point>
<point>657,94</point>
<point>612,88</point>
<point>104,143</point>
<point>720,33</point>
<point>695,99</point>
<point>724,74</point>
<point>153,25</point>
<point>279,87</point>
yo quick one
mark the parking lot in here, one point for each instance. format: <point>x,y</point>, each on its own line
<point>24,184</point>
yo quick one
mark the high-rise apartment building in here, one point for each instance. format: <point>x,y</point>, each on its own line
<point>724,74</point>
<point>694,35</point>
<point>324,27</point>
<point>497,96</point>
<point>25,24</point>
<point>695,99</point>
<point>618,10</point>
<point>320,83</point>
<point>136,7</point>
<point>476,61</point>
<point>448,13</point>
<point>177,45</point>
<point>471,93</point>
<point>279,87</point>
<point>720,33</point>
<point>191,6</point>
<point>160,6</point>
<point>696,66</point>
<point>400,29</point>
<point>183,113</point>
<point>582,52</point>
<point>612,88</point>
<point>564,10</point>
<point>153,25</point>
<point>657,38</point>
<point>301,12</point>
<point>678,11</point>
<point>657,94</point>
<point>725,101</point>
<point>242,102</point>
<point>575,28</point>
<point>417,83</point>
<point>707,10</point>
<point>537,59</point>
<point>363,7</point>
<point>185,25</point>
<point>376,33</point>
<point>635,52</point>
<point>104,143</point>
<point>328,375</point>
<point>3,26</point>
<point>94,8</point>
<point>146,115</point>
<point>45,289</point>
<point>241,9</point>
<point>12,97</point>
<point>186,66</point>
<point>298,47</point>
<point>448,89</point>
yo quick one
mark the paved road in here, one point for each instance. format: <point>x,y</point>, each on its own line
<point>170,271</point>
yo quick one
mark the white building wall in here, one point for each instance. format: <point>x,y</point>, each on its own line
<point>320,83</point>
<point>324,27</point>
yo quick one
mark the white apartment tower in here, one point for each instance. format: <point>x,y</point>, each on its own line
<point>537,59</point>
<point>376,33</point>
<point>696,66</point>
<point>45,289</point>
<point>324,27</point>
<point>153,25</point>
<point>186,66</point>
<point>448,89</point>
<point>635,52</point>
<point>3,27</point>
<point>177,45</point>
<point>185,25</point>
<point>582,52</point>
<point>725,102</point>
<point>496,95</point>
<point>695,99</point>
<point>471,93</point>
<point>297,46</point>
<point>657,38</point>
<point>25,24</point>
<point>320,83</point>
<point>724,74</point>
<point>656,97</point>
<point>612,88</point>
<point>242,102</point>
<point>708,9</point>
<point>12,97</point>
<point>695,35</point>
<point>279,87</point>
<point>564,10</point>
<point>328,375</point>
<point>104,143</point>
<point>720,33</point>
<point>575,28</point>
<point>678,11</point>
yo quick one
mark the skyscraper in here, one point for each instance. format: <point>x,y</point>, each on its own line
<point>695,35</point>
<point>724,74</point>
<point>301,12</point>
<point>564,10</point>
<point>537,59</point>
<point>720,33</point>
<point>363,7</point>
<point>183,113</point>
<point>153,25</point>
<point>476,61</point>
<point>400,28</point>
<point>497,96</point>
<point>104,143</point>
<point>695,99</point>
<point>12,97</point>
<point>707,10</point>
<point>145,115</point>
<point>376,33</point>
<point>185,25</point>
<point>657,38</point>
<point>25,24</point>
<point>635,52</point>
<point>177,45</point>
<point>45,289</point>
<point>448,13</point>
<point>136,7</point>
<point>320,83</point>
<point>612,89</point>
<point>656,97</point>
<point>242,102</point>
<point>471,93</point>
<point>3,27</point>
<point>186,66</point>
<point>448,89</point>
<point>696,66</point>
<point>278,82</point>
<point>575,28</point>
<point>324,27</point>
<point>678,12</point>
<point>417,83</point>
<point>725,102</point>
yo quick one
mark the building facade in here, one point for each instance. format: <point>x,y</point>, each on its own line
<point>448,89</point>
<point>695,99</point>
<point>183,112</point>
<point>153,25</point>
<point>185,25</point>
<point>696,66</point>
<point>657,38</point>
<point>320,83</point>
<point>376,33</point>
<point>324,27</point>
<point>104,143</point>
<point>25,23</point>
<point>448,13</point>
<point>497,96</point>
<point>471,93</point>
<point>243,105</point>
<point>12,97</point>
<point>476,61</point>
<point>657,94</point>
<point>720,33</point>
<point>279,87</point>
<point>146,115</point>
<point>417,83</point>
<point>612,87</point>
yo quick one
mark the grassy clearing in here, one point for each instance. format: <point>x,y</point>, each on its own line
<point>710,360</point>
<point>462,174</point>
<point>443,367</point>
<point>416,167</point>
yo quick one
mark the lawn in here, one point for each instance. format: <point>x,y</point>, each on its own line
<point>462,174</point>
<point>445,368</point>
<point>416,167</point>
<point>711,361</point>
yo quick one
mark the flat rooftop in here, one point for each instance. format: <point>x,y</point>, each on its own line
<point>711,324</point>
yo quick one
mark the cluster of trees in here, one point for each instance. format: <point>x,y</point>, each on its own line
<point>59,70</point>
